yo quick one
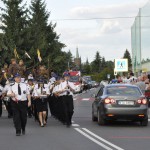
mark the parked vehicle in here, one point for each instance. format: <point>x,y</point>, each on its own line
<point>75,77</point>
<point>94,84</point>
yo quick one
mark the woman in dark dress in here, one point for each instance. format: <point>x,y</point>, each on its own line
<point>40,94</point>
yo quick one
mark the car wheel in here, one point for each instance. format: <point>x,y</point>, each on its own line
<point>101,120</point>
<point>93,117</point>
<point>144,122</point>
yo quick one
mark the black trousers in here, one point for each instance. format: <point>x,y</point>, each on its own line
<point>20,110</point>
<point>68,108</point>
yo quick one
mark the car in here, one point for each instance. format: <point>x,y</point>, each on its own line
<point>119,102</point>
<point>94,84</point>
<point>104,82</point>
<point>76,81</point>
<point>86,78</point>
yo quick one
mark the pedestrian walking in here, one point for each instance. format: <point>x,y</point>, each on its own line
<point>21,99</point>
<point>67,99</point>
<point>40,94</point>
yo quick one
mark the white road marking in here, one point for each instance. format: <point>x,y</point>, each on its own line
<point>85,99</point>
<point>75,99</point>
<point>75,125</point>
<point>149,120</point>
<point>92,139</point>
<point>101,139</point>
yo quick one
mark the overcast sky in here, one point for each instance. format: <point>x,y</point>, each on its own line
<point>108,36</point>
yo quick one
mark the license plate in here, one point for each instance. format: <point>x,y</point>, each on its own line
<point>126,103</point>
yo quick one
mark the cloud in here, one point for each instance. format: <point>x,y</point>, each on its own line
<point>127,9</point>
<point>109,45</point>
<point>110,27</point>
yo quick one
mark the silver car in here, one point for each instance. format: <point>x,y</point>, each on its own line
<point>120,102</point>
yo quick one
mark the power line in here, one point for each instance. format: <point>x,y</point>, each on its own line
<point>102,18</point>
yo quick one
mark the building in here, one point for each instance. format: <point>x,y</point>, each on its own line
<point>77,60</point>
<point>140,33</point>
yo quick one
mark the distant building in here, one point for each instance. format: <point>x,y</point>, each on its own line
<point>140,32</point>
<point>77,60</point>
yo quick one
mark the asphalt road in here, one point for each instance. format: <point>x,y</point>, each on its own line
<point>83,135</point>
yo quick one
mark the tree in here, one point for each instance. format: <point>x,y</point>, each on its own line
<point>86,67</point>
<point>103,63</point>
<point>128,56</point>
<point>96,64</point>
<point>42,35</point>
<point>70,60</point>
<point>14,24</point>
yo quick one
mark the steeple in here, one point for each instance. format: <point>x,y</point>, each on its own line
<point>77,53</point>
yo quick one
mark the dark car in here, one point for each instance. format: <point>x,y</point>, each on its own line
<point>120,102</point>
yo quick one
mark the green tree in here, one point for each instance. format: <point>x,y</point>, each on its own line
<point>96,64</point>
<point>86,67</point>
<point>128,56</point>
<point>14,24</point>
<point>70,60</point>
<point>42,35</point>
<point>103,63</point>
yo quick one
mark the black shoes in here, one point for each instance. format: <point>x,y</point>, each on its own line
<point>23,132</point>
<point>68,125</point>
<point>42,125</point>
<point>18,133</point>
<point>10,116</point>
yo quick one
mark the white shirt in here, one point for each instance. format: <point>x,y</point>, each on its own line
<point>1,90</point>
<point>6,88</point>
<point>24,92</point>
<point>63,85</point>
<point>55,89</point>
<point>37,91</point>
<point>30,88</point>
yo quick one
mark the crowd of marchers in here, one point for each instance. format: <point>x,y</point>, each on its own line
<point>33,95</point>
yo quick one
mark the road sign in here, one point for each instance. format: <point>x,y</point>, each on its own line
<point>121,65</point>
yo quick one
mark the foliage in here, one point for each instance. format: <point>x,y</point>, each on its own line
<point>128,56</point>
<point>29,29</point>
<point>14,23</point>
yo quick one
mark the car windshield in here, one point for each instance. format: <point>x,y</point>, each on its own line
<point>74,79</point>
<point>123,91</point>
<point>88,78</point>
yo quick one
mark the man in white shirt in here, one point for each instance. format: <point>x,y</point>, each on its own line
<point>67,89</point>
<point>21,99</point>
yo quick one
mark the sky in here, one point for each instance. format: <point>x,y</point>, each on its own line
<point>111,37</point>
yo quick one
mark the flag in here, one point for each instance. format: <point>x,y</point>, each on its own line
<point>16,54</point>
<point>39,55</point>
<point>27,55</point>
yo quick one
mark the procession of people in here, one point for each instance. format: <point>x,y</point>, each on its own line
<point>35,95</point>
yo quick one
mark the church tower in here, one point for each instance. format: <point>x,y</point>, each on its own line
<point>77,60</point>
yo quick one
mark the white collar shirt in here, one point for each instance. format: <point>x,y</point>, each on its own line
<point>55,89</point>
<point>37,91</point>
<point>6,88</point>
<point>64,85</point>
<point>24,92</point>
